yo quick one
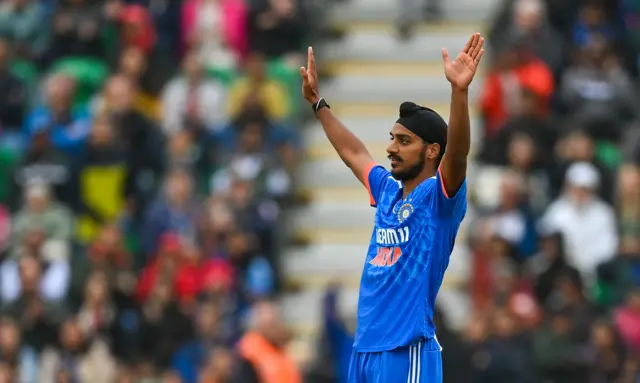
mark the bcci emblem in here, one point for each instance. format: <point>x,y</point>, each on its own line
<point>404,212</point>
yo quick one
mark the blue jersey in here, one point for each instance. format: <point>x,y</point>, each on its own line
<point>408,254</point>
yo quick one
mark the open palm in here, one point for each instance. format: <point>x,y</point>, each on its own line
<point>460,71</point>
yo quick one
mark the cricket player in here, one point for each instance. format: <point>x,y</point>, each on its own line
<point>420,204</point>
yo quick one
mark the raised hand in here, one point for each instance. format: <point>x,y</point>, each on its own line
<point>460,71</point>
<point>310,79</point>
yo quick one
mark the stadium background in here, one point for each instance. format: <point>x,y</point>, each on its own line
<point>169,212</point>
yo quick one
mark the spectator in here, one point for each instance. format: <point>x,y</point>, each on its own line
<point>100,180</point>
<point>53,284</point>
<point>165,325</point>
<point>597,89</point>
<point>559,356</point>
<point>193,99</point>
<point>37,307</point>
<point>76,30</point>
<point>137,31</point>
<point>219,368</point>
<point>69,126</point>
<point>529,19</point>
<point>133,65</point>
<point>618,276</point>
<point>626,319</point>
<point>42,226</point>
<point>216,29</point>
<point>610,354</point>
<point>592,21</point>
<point>166,18</point>
<point>277,29</point>
<point>629,203</point>
<point>142,143</point>
<point>13,93</point>
<point>255,90</point>
<point>26,25</point>
<point>106,255</point>
<point>513,220</point>
<point>79,357</point>
<point>587,223</point>
<point>507,353</point>
<point>568,296</point>
<point>267,337</point>
<point>22,359</point>
<point>548,265</point>
<point>176,211</point>
<point>42,163</point>
<point>97,313</point>
<point>516,69</point>
<point>526,140</point>
<point>254,271</point>
<point>251,160</point>
<point>190,359</point>
<point>578,146</point>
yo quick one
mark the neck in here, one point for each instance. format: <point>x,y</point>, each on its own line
<point>409,185</point>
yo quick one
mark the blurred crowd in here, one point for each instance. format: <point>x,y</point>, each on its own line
<point>555,226</point>
<point>556,274</point>
<point>146,154</point>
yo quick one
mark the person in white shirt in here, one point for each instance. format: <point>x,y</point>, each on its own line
<point>193,97</point>
<point>587,223</point>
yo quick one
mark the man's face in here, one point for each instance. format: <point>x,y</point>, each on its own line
<point>60,94</point>
<point>192,66</point>
<point>580,195</point>
<point>120,93</point>
<point>407,152</point>
<point>9,337</point>
<point>71,335</point>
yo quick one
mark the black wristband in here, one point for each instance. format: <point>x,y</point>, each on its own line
<point>319,105</point>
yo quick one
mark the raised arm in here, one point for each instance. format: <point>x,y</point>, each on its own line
<point>350,149</point>
<point>460,73</point>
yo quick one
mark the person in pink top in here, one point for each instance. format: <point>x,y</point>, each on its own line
<point>627,320</point>
<point>216,29</point>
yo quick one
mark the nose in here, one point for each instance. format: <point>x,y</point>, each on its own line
<point>392,148</point>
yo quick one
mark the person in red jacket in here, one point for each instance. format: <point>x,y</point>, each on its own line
<point>516,70</point>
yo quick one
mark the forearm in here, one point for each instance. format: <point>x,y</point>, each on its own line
<point>453,168</point>
<point>350,149</point>
<point>459,132</point>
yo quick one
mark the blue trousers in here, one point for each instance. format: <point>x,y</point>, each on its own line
<point>417,363</point>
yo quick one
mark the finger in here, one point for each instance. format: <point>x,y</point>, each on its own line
<point>312,62</point>
<point>478,58</point>
<point>474,43</point>
<point>468,45</point>
<point>445,55</point>
<point>309,53</point>
<point>304,75</point>
<point>478,48</point>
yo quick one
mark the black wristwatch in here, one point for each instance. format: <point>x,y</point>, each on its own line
<point>319,105</point>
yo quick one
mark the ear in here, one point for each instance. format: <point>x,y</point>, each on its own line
<point>433,151</point>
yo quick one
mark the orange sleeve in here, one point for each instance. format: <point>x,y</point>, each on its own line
<point>444,189</point>
<point>365,178</point>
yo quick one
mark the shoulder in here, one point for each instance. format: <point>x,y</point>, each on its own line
<point>378,174</point>
<point>604,208</point>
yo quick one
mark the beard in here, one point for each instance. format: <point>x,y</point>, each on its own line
<point>412,171</point>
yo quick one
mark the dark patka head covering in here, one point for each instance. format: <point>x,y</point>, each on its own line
<point>424,123</point>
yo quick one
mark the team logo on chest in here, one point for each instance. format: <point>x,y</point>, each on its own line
<point>404,212</point>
